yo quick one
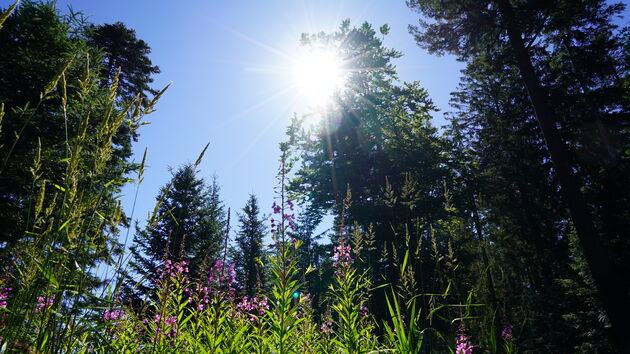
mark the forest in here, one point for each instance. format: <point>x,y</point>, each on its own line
<point>500,232</point>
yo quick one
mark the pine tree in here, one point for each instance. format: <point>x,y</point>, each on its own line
<point>249,255</point>
<point>188,226</point>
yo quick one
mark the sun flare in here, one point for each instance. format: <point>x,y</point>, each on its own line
<point>318,75</point>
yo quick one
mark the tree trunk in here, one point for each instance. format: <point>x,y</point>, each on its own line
<point>607,282</point>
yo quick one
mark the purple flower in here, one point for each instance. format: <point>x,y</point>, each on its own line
<point>222,280</point>
<point>342,257</point>
<point>327,327</point>
<point>43,303</point>
<point>4,295</point>
<point>507,332</point>
<point>464,345</point>
<point>363,310</point>
<point>250,307</point>
<point>172,269</point>
<point>170,326</point>
<point>113,315</point>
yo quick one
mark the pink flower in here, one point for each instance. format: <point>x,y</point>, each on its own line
<point>248,307</point>
<point>222,280</point>
<point>327,327</point>
<point>44,303</point>
<point>4,295</point>
<point>113,315</point>
<point>464,345</point>
<point>507,332</point>
<point>342,257</point>
<point>363,310</point>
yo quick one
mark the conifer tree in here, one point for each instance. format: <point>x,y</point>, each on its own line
<point>36,42</point>
<point>249,254</point>
<point>188,226</point>
<point>565,57</point>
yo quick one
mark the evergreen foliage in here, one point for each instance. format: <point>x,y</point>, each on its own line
<point>249,256</point>
<point>188,226</point>
<point>121,49</point>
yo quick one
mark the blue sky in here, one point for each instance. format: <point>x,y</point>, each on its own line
<point>228,64</point>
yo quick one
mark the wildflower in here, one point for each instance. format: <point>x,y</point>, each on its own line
<point>221,279</point>
<point>327,327</point>
<point>342,257</point>
<point>464,345</point>
<point>4,295</point>
<point>172,269</point>
<point>363,310</point>
<point>171,321</point>
<point>507,332</point>
<point>44,303</point>
<point>248,307</point>
<point>113,315</point>
<point>276,208</point>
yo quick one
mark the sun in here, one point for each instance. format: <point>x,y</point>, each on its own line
<point>318,75</point>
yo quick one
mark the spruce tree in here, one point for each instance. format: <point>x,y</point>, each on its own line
<point>187,226</point>
<point>249,253</point>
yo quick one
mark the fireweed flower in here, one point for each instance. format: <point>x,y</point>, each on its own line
<point>113,315</point>
<point>363,310</point>
<point>172,269</point>
<point>222,279</point>
<point>251,308</point>
<point>4,295</point>
<point>464,345</point>
<point>43,303</point>
<point>507,332</point>
<point>327,327</point>
<point>342,257</point>
<point>288,219</point>
<point>165,326</point>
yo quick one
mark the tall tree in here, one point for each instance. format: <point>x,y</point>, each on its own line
<point>526,34</point>
<point>188,226</point>
<point>122,49</point>
<point>37,42</point>
<point>511,200</point>
<point>249,254</point>
<point>376,130</point>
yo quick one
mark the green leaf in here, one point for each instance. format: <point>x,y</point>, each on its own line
<point>47,274</point>
<point>64,225</point>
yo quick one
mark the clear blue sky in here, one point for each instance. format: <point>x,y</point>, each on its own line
<point>227,62</point>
